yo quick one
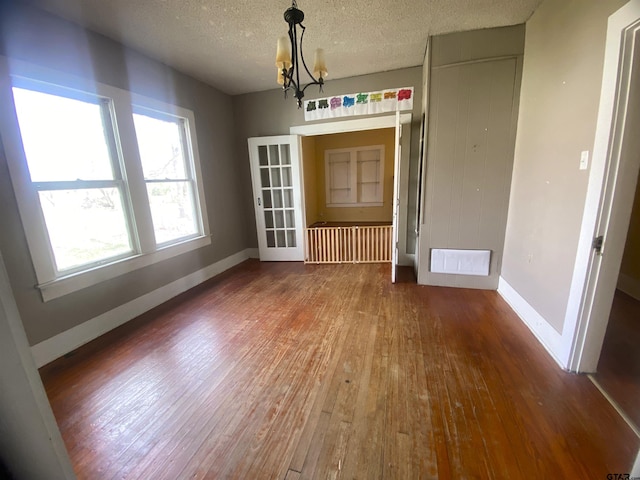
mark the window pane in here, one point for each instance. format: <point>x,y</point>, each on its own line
<point>161,148</point>
<point>340,174</point>
<point>290,218</point>
<point>262,155</point>
<point>271,239</point>
<point>286,177</point>
<point>279,216</point>
<point>291,238</point>
<point>277,198</point>
<point>368,193</point>
<point>266,195</point>
<point>172,210</point>
<point>264,177</point>
<point>63,138</point>
<point>273,155</point>
<point>286,158</point>
<point>369,171</point>
<point>268,219</point>
<point>85,226</point>
<point>288,198</point>
<point>275,177</point>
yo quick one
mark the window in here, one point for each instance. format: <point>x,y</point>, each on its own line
<point>355,177</point>
<point>106,181</point>
<point>71,163</point>
<point>162,141</point>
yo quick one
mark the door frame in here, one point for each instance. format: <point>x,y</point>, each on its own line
<point>30,426</point>
<point>591,290</point>
<point>395,202</point>
<point>373,123</point>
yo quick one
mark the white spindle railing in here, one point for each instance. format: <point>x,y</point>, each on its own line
<point>356,244</point>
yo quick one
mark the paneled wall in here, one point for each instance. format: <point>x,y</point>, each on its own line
<point>473,102</point>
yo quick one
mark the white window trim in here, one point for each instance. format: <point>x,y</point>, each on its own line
<point>353,153</point>
<point>51,285</point>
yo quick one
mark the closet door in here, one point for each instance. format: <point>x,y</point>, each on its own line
<point>470,148</point>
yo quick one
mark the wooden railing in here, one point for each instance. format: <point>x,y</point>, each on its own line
<point>356,244</point>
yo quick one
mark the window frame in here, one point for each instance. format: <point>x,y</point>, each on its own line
<point>118,182</point>
<point>354,178</point>
<point>190,165</point>
<point>51,283</point>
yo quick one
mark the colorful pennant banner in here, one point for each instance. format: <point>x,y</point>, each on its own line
<point>359,104</point>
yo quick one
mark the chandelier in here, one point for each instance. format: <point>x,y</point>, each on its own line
<point>289,66</point>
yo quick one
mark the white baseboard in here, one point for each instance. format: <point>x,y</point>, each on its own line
<point>407,260</point>
<point>550,339</point>
<point>67,341</point>
<point>629,285</point>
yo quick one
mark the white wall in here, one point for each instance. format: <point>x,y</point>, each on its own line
<point>562,77</point>
<point>548,243</point>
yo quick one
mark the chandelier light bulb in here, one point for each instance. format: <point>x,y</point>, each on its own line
<point>290,58</point>
<point>283,54</point>
<point>319,64</point>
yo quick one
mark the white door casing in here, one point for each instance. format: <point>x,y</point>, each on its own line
<point>612,182</point>
<point>396,198</point>
<point>276,176</point>
<point>372,123</point>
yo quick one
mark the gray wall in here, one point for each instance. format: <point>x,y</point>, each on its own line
<point>29,34</point>
<point>562,76</point>
<point>473,100</point>
<point>268,113</point>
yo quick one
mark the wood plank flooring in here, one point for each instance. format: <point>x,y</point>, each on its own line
<point>293,371</point>
<point>619,366</point>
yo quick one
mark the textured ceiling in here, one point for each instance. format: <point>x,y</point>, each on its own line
<point>231,44</point>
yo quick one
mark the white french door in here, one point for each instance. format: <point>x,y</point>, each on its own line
<point>396,199</point>
<point>277,192</point>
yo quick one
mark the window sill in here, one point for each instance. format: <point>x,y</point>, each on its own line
<point>353,205</point>
<point>77,281</point>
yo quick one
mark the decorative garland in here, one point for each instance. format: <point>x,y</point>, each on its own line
<point>359,104</point>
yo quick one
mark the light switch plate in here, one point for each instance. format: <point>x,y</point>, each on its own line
<point>584,160</point>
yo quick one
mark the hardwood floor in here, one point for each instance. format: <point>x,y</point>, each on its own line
<point>619,366</point>
<point>287,371</point>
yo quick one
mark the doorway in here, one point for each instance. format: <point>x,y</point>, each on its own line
<point>348,189</point>
<point>397,174</point>
<point>618,373</point>
<point>331,163</point>
<point>612,185</point>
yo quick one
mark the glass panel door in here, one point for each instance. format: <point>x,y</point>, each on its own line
<point>276,178</point>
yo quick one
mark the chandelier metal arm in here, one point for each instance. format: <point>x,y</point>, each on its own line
<point>291,76</point>
<point>293,36</point>
<point>314,81</point>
